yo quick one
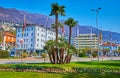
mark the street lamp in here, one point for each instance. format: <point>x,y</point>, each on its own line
<point>97,11</point>
<point>47,19</point>
<point>21,42</point>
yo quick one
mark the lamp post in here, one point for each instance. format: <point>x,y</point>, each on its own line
<point>47,19</point>
<point>97,11</point>
<point>21,42</point>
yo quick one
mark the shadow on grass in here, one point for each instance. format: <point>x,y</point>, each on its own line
<point>93,75</point>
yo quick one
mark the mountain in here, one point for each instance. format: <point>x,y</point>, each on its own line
<point>13,15</point>
<point>16,16</point>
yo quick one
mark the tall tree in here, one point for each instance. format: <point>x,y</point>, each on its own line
<point>71,23</point>
<point>57,10</point>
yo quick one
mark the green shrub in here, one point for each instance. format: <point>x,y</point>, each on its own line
<point>94,54</point>
<point>44,55</point>
<point>82,54</point>
<point>4,54</point>
<point>24,54</point>
<point>34,54</point>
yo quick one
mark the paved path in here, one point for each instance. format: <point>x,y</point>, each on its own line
<point>33,60</point>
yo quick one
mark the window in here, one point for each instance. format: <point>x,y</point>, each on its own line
<point>31,45</point>
<point>31,34</point>
<point>18,30</point>
<point>38,34</point>
<point>24,34</point>
<point>27,34</point>
<point>17,40</point>
<point>8,38</point>
<point>37,45</point>
<point>22,46</point>
<point>32,28</point>
<point>41,35</point>
<point>12,39</point>
<point>31,39</point>
<point>26,45</point>
<point>26,40</point>
<point>37,39</point>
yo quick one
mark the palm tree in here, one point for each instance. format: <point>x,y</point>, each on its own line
<point>62,44</point>
<point>60,25</point>
<point>71,23</point>
<point>70,51</point>
<point>56,10</point>
<point>51,51</point>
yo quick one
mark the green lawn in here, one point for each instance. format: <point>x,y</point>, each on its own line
<point>103,69</point>
<point>50,75</point>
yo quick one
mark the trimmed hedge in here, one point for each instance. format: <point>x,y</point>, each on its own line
<point>76,67</point>
<point>4,54</point>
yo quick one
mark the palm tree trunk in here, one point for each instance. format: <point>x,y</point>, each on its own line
<point>65,60</point>
<point>70,56</point>
<point>61,55</point>
<point>50,57</point>
<point>70,32</point>
<point>56,26</point>
<point>54,56</point>
<point>57,55</point>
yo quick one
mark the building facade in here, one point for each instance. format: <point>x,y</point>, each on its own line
<point>34,38</point>
<point>8,40</point>
<point>108,45</point>
<point>86,40</point>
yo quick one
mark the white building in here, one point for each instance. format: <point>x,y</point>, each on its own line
<point>85,40</point>
<point>34,38</point>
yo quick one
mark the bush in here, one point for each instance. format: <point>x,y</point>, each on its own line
<point>4,54</point>
<point>82,54</point>
<point>94,55</point>
<point>44,55</point>
<point>24,54</point>
<point>34,54</point>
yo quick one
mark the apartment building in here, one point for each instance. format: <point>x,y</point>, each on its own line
<point>85,40</point>
<point>34,38</point>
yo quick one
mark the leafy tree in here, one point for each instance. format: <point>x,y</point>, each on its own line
<point>44,55</point>
<point>118,48</point>
<point>1,39</point>
<point>105,51</point>
<point>13,32</point>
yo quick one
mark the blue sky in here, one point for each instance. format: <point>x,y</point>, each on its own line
<point>80,10</point>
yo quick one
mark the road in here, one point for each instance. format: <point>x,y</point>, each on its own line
<point>33,60</point>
